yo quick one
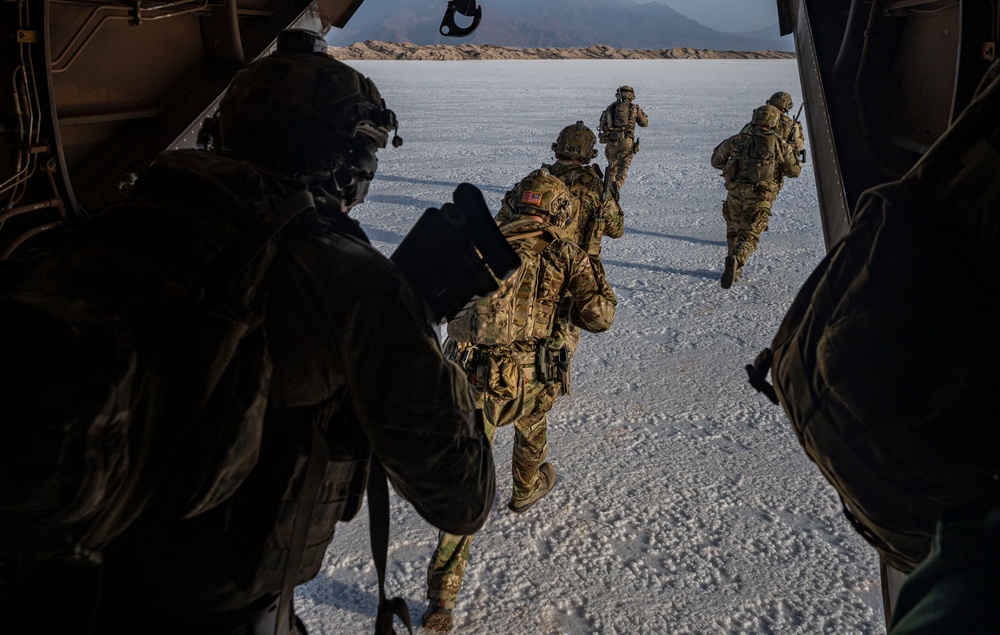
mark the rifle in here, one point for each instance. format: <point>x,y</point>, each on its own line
<point>607,182</point>
<point>455,253</point>
<point>795,122</point>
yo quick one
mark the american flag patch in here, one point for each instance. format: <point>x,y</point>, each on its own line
<point>531,198</point>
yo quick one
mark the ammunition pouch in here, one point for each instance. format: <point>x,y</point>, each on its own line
<point>492,371</point>
<point>616,135</point>
<point>552,365</point>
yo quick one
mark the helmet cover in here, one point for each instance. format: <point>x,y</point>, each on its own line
<point>781,100</point>
<point>576,142</point>
<point>766,116</point>
<point>299,111</point>
<point>542,193</point>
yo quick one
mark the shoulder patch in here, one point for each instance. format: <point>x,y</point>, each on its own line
<point>531,198</point>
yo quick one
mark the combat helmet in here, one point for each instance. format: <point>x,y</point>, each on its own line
<point>576,142</point>
<point>781,100</point>
<point>543,194</point>
<point>304,114</point>
<point>625,93</point>
<point>766,116</point>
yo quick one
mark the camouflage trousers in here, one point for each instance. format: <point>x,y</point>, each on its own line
<point>528,412</point>
<point>619,155</point>
<point>746,213</point>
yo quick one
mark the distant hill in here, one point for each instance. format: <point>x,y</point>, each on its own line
<point>378,50</point>
<point>622,24</point>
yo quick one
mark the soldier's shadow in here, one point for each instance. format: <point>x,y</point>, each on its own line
<point>337,596</point>
<point>686,239</point>
<point>501,189</point>
<point>701,273</point>
<point>381,235</point>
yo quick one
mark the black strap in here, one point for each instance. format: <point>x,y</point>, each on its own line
<point>757,375</point>
<point>312,484</point>
<point>378,517</point>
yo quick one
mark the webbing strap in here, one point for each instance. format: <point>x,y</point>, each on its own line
<point>312,484</point>
<point>378,517</point>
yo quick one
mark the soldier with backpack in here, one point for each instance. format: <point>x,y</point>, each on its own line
<point>754,164</point>
<point>504,343</point>
<point>593,215</point>
<point>617,130</point>
<point>337,374</point>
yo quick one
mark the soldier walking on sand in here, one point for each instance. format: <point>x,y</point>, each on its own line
<point>754,165</point>
<point>617,130</point>
<point>593,215</point>
<point>502,342</point>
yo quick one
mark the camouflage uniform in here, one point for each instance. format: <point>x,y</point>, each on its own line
<point>748,203</point>
<point>357,372</point>
<point>617,130</point>
<point>592,216</point>
<point>508,379</point>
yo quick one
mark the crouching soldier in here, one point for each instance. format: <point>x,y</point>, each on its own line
<point>504,343</point>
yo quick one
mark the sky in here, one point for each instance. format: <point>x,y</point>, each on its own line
<point>733,16</point>
<point>684,504</point>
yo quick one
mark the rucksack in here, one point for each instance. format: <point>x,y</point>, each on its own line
<point>758,158</point>
<point>621,116</point>
<point>135,369</point>
<point>511,313</point>
<point>886,362</point>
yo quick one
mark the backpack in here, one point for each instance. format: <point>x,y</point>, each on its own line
<point>758,158</point>
<point>621,115</point>
<point>135,367</point>
<point>886,362</point>
<point>513,312</point>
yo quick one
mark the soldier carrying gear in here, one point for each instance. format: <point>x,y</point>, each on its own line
<point>292,121</point>
<point>617,130</point>
<point>754,163</point>
<point>503,341</point>
<point>592,216</point>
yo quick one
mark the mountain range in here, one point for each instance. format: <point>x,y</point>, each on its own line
<point>551,23</point>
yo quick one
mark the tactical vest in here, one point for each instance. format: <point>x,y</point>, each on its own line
<point>523,309</point>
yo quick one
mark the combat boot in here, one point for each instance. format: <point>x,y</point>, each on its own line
<point>547,480</point>
<point>436,618</point>
<point>730,273</point>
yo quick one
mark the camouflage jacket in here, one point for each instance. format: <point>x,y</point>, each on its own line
<point>354,358</point>
<point>591,218</point>
<point>615,125</point>
<point>775,159</point>
<point>524,309</point>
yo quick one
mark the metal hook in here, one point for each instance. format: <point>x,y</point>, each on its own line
<point>467,8</point>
